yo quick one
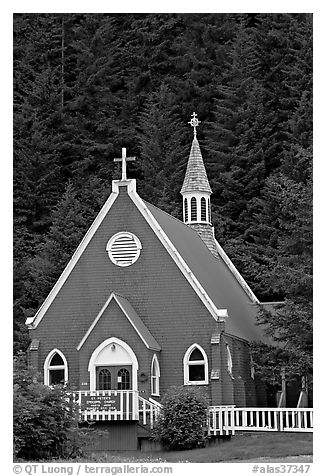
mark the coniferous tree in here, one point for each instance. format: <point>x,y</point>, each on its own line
<point>162,151</point>
<point>235,158</point>
<point>287,274</point>
<point>66,232</point>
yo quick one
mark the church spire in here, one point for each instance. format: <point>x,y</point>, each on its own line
<point>196,189</point>
<point>196,178</point>
<point>196,193</point>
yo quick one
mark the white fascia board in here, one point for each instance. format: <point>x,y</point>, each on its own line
<point>223,313</point>
<point>97,318</point>
<point>173,252</point>
<point>29,322</point>
<point>135,327</point>
<point>95,321</point>
<point>236,273</point>
<point>32,324</point>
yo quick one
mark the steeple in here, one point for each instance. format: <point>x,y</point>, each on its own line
<point>196,178</point>
<point>196,193</point>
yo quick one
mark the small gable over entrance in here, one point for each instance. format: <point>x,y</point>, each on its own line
<point>132,317</point>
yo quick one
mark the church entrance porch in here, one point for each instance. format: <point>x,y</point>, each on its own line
<point>113,393</point>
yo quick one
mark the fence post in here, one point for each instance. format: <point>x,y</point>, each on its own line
<point>232,421</point>
<point>281,421</point>
<point>135,407</point>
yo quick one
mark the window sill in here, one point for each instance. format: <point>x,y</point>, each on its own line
<point>204,382</point>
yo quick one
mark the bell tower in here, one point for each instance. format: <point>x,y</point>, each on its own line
<point>196,193</point>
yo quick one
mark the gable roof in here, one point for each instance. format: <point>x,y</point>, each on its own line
<point>32,322</point>
<point>212,279</point>
<point>132,317</point>
<point>219,277</point>
<point>196,178</point>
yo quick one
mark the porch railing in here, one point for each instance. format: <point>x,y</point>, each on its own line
<point>227,420</point>
<point>101,405</point>
<point>148,412</point>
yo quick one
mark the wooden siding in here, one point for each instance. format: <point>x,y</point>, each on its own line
<point>158,292</point>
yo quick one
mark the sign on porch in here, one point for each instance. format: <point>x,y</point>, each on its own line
<point>109,404</point>
<point>94,403</point>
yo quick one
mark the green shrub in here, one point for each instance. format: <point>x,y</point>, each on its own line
<point>45,419</point>
<point>183,421</point>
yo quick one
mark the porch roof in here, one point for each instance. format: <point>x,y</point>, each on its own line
<point>133,318</point>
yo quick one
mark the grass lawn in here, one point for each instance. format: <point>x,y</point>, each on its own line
<point>240,447</point>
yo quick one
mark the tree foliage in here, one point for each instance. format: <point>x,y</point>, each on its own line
<point>45,419</point>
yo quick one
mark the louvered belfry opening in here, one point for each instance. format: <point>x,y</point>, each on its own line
<point>203,209</point>
<point>193,206</point>
<point>185,204</point>
<point>124,249</point>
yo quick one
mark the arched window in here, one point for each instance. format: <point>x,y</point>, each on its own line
<point>203,209</point>
<point>185,206</point>
<point>123,379</point>
<point>104,379</point>
<point>155,376</point>
<point>193,208</point>
<point>229,360</point>
<point>55,368</point>
<point>209,210</point>
<point>195,366</point>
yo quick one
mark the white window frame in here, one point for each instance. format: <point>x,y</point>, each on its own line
<point>48,367</point>
<point>187,363</point>
<point>155,376</point>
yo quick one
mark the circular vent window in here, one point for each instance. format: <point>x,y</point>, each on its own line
<point>123,248</point>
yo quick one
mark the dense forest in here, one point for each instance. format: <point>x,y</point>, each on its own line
<point>86,85</point>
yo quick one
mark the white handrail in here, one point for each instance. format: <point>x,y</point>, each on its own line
<point>148,412</point>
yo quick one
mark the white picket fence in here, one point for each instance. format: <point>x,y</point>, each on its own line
<point>229,419</point>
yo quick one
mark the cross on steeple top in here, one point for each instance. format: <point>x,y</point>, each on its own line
<point>194,122</point>
<point>124,159</point>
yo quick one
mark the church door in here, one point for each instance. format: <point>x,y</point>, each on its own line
<point>113,377</point>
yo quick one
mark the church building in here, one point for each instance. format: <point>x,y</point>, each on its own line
<point>147,302</point>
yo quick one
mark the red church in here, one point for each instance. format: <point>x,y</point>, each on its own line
<point>147,302</point>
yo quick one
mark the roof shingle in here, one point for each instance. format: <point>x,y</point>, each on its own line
<point>196,178</point>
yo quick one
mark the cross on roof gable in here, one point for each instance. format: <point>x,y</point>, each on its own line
<point>124,159</point>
